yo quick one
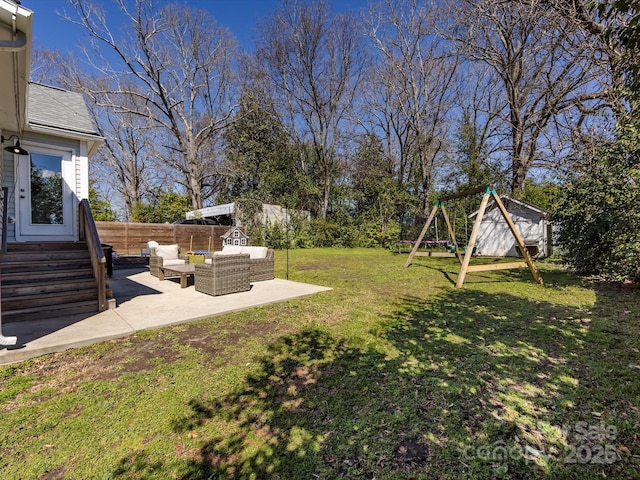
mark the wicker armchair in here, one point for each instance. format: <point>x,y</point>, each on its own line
<point>165,255</point>
<point>262,268</point>
<point>224,274</point>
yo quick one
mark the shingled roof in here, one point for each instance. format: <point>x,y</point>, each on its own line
<point>59,109</point>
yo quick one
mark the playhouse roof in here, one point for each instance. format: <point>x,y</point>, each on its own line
<point>228,233</point>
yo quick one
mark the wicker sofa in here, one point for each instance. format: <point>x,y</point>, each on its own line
<point>165,255</point>
<point>261,260</point>
<point>223,274</point>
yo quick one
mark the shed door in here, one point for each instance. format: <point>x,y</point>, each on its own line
<point>44,198</point>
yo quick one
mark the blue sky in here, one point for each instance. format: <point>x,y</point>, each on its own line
<point>240,16</point>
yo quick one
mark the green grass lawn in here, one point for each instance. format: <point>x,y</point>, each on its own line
<point>393,374</point>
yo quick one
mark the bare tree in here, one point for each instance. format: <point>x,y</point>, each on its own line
<point>124,161</point>
<point>604,26</point>
<point>50,67</point>
<point>314,60</point>
<point>546,66</point>
<point>380,114</point>
<point>416,86</point>
<point>128,153</point>
<point>181,64</point>
<point>478,145</point>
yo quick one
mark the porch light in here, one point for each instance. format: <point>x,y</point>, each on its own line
<point>15,149</point>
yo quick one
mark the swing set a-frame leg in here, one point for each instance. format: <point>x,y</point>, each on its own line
<point>474,235</point>
<point>519,240</point>
<point>472,240</point>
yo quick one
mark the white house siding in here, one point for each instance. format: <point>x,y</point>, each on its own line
<point>52,141</point>
<point>9,181</point>
<point>78,153</point>
<point>82,171</point>
<point>495,238</point>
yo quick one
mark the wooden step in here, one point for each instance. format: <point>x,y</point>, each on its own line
<point>10,291</point>
<point>45,246</point>
<point>27,265</point>
<point>46,312</point>
<point>44,299</point>
<point>58,255</point>
<point>23,276</point>
<point>40,280</point>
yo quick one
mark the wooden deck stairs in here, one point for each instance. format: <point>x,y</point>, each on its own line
<point>44,280</point>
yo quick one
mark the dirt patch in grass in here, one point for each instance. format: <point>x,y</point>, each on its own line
<point>193,454</point>
<point>143,352</point>
<point>138,356</point>
<point>315,266</point>
<point>108,361</point>
<point>131,354</point>
<point>412,453</point>
<point>214,345</point>
<point>55,474</point>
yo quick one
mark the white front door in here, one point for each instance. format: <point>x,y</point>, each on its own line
<point>44,197</point>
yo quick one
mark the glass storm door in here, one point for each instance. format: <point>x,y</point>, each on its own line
<point>45,200</point>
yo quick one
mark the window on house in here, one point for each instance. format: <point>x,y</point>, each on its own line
<point>46,189</point>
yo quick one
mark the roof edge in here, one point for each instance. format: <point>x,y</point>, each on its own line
<point>59,131</point>
<point>530,206</point>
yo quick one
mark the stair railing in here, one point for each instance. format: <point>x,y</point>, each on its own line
<point>89,233</point>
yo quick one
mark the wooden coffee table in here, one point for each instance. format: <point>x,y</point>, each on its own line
<point>182,271</point>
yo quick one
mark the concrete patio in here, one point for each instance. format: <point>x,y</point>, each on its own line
<point>143,302</point>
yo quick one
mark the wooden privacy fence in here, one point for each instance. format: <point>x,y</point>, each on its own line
<point>128,238</point>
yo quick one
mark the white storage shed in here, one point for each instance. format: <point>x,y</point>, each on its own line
<point>496,240</point>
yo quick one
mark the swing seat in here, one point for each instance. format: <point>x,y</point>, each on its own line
<point>474,252</point>
<point>451,248</point>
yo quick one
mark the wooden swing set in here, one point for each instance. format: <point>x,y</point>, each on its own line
<point>465,268</point>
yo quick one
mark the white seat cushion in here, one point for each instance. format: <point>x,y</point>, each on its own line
<point>173,261</point>
<point>230,249</point>
<point>254,252</point>
<point>167,252</point>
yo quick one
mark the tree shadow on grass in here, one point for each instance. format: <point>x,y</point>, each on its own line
<point>470,385</point>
